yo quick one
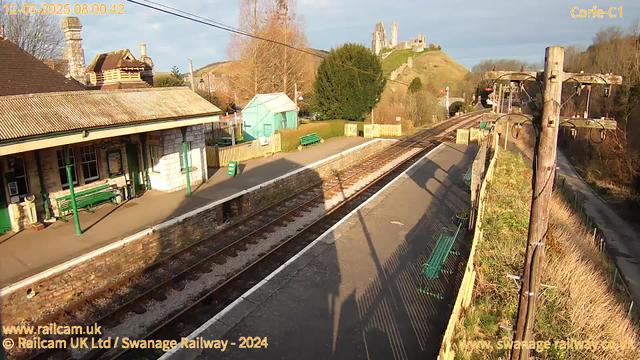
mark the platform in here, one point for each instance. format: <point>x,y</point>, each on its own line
<point>29,252</point>
<point>352,293</point>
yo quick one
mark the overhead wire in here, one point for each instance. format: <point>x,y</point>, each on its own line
<point>205,21</point>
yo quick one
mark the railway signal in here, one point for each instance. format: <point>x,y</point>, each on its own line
<point>544,170</point>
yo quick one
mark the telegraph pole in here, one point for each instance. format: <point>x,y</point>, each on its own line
<point>544,172</point>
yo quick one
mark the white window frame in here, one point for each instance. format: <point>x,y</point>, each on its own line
<point>25,176</point>
<point>83,161</point>
<point>155,156</point>
<point>73,165</point>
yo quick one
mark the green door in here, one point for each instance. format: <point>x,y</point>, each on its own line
<point>133,169</point>
<point>5,222</point>
<point>268,130</point>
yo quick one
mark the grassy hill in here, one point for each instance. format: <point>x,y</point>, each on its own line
<point>434,68</point>
<point>222,67</point>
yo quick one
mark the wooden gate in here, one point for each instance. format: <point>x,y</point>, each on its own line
<point>350,130</point>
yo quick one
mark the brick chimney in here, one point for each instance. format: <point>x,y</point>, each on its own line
<point>147,74</point>
<point>74,53</point>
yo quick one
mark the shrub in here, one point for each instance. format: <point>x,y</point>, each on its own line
<point>290,138</point>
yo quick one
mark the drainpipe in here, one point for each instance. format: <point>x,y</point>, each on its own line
<point>186,158</point>
<point>145,166</point>
<point>43,189</point>
<point>71,191</point>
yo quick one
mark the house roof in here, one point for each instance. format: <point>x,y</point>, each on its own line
<point>276,102</point>
<point>115,60</point>
<point>22,73</point>
<point>23,116</point>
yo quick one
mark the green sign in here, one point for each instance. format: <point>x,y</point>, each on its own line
<point>232,168</point>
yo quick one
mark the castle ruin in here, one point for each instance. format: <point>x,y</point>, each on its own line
<point>379,40</point>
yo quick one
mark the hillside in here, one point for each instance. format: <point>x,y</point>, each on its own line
<point>222,67</point>
<point>434,68</point>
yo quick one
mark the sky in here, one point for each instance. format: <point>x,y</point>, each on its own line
<point>468,31</point>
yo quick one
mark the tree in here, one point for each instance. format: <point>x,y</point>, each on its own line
<point>172,79</point>
<point>263,66</point>
<point>416,85</point>
<point>38,34</point>
<point>349,83</point>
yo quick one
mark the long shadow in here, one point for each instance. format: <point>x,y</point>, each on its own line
<point>206,229</point>
<point>359,298</point>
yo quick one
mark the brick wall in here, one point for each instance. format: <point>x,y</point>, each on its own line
<point>130,255</point>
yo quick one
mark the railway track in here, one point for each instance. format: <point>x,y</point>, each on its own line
<point>175,272</point>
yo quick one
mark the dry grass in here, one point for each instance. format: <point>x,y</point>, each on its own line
<point>582,305</point>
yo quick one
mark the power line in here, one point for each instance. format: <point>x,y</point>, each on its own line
<point>218,25</point>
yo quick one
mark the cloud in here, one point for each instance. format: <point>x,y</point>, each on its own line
<point>467,30</point>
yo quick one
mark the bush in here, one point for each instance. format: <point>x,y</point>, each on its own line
<point>290,138</point>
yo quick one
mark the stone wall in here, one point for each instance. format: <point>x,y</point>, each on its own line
<point>81,277</point>
<point>171,177</point>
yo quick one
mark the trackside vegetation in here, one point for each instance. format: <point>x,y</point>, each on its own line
<point>578,301</point>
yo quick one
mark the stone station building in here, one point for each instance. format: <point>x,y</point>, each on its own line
<point>131,140</point>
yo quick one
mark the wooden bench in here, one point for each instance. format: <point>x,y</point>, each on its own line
<point>310,139</point>
<point>84,199</point>
<point>467,177</point>
<point>433,267</point>
<point>225,141</point>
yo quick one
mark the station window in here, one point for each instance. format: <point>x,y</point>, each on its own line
<point>182,166</point>
<point>63,170</point>
<point>20,186</point>
<point>89,163</point>
<point>155,155</point>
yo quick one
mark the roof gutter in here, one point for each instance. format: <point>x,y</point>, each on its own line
<point>90,134</point>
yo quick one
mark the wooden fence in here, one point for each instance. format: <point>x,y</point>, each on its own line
<point>378,130</point>
<point>351,130</point>
<point>221,156</point>
<point>463,300</point>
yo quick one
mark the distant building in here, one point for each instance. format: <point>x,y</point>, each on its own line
<point>114,70</point>
<point>380,41</point>
<point>120,70</point>
<point>267,113</point>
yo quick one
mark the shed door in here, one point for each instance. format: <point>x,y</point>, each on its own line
<point>268,129</point>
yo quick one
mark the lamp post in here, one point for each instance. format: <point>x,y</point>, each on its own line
<point>208,84</point>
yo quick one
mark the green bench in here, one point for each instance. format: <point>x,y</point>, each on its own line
<point>225,141</point>
<point>467,177</point>
<point>84,199</point>
<point>433,267</point>
<point>310,139</point>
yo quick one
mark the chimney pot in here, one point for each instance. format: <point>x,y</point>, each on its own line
<point>143,49</point>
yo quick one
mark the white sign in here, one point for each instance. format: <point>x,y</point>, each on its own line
<point>398,118</point>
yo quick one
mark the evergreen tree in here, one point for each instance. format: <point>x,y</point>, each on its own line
<point>416,85</point>
<point>348,84</point>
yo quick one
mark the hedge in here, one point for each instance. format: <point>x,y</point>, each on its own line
<point>290,138</point>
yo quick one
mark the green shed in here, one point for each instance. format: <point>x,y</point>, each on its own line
<point>267,113</point>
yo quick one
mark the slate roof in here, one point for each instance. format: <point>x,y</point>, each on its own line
<point>22,73</point>
<point>23,116</point>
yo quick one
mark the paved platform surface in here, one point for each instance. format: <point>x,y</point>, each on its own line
<point>621,236</point>
<point>28,252</point>
<point>353,295</point>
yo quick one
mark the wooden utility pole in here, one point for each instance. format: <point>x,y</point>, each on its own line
<point>193,88</point>
<point>544,173</point>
